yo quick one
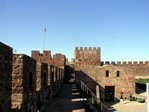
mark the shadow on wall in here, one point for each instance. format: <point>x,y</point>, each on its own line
<point>69,73</point>
<point>106,94</point>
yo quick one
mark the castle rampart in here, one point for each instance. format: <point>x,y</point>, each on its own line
<point>5,77</point>
<point>24,83</point>
<point>127,63</point>
<point>42,85</point>
<point>141,67</point>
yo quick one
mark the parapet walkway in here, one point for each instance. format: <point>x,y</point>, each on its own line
<point>67,100</point>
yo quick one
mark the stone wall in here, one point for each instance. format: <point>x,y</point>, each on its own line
<point>141,71</point>
<point>44,57</point>
<point>87,56</point>
<point>5,77</point>
<point>42,85</point>
<point>51,76</point>
<point>59,63</point>
<point>127,63</point>
<point>58,78</point>
<point>51,83</point>
<point>96,75</point>
<point>24,83</point>
<point>141,68</point>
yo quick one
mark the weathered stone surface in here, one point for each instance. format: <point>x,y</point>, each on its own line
<point>42,85</point>
<point>51,76</point>
<point>54,78</point>
<point>57,79</point>
<point>59,60</point>
<point>24,83</point>
<point>96,75</point>
<point>121,74</point>
<point>87,56</point>
<point>141,68</point>
<point>44,57</point>
<point>5,77</point>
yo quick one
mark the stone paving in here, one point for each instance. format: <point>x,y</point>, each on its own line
<point>67,100</point>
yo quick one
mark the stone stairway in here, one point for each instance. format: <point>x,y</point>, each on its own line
<point>66,100</point>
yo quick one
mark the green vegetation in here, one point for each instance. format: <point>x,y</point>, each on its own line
<point>142,81</point>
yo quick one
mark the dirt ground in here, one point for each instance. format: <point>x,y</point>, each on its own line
<point>128,106</point>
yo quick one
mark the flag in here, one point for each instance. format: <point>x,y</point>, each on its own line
<point>45,30</point>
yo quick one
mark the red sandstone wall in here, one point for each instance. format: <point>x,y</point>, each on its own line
<point>93,75</point>
<point>127,63</point>
<point>42,85</point>
<point>45,57</point>
<point>141,68</point>
<point>24,83</point>
<point>59,60</point>
<point>87,56</point>
<point>5,77</point>
<point>42,76</point>
<point>141,71</point>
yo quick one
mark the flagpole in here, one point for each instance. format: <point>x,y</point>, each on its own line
<point>44,39</point>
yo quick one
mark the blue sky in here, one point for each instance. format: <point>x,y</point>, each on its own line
<point>119,27</point>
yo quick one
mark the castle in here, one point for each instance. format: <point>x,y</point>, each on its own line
<point>27,84</point>
<point>114,78</point>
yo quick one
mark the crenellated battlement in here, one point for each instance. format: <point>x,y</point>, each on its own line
<point>86,48</point>
<point>126,63</point>
<point>37,53</point>
<point>87,55</point>
<point>44,57</point>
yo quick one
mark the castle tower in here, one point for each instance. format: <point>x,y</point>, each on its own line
<point>45,57</point>
<point>59,60</point>
<point>87,56</point>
